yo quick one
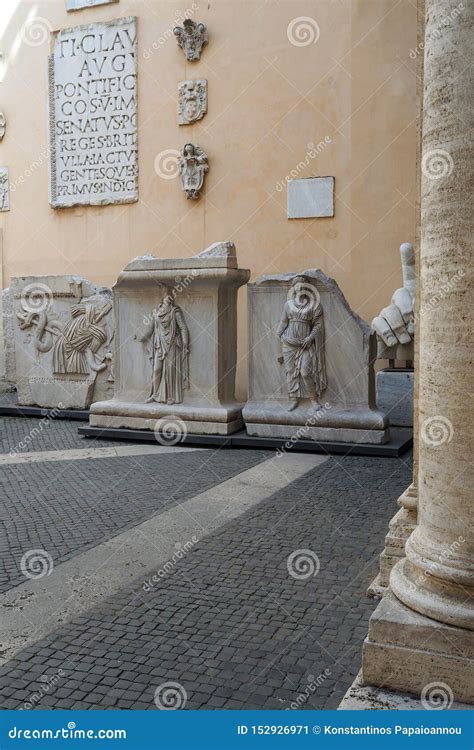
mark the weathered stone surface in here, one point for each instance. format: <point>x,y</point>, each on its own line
<point>407,651</point>
<point>63,333</point>
<point>436,578</point>
<point>176,343</point>
<point>362,697</point>
<point>395,396</point>
<point>311,197</point>
<point>323,390</point>
<point>9,325</point>
<point>191,37</point>
<point>92,115</point>
<point>193,166</point>
<point>192,101</point>
<point>4,189</point>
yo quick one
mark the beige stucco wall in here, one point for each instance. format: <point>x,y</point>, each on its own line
<point>354,90</point>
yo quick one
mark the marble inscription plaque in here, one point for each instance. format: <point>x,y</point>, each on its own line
<point>93,115</point>
<point>312,197</point>
<point>79,4</point>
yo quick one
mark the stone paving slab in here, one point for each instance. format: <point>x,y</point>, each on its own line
<point>229,624</point>
<point>67,507</point>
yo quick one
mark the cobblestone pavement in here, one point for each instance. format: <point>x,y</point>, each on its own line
<point>235,623</point>
<point>70,506</point>
<point>28,434</point>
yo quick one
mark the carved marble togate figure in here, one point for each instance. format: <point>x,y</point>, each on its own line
<point>170,352</point>
<point>301,331</point>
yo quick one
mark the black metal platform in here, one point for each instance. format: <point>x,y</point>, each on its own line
<point>15,410</point>
<point>400,442</point>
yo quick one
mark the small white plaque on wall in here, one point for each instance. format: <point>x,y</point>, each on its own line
<point>79,4</point>
<point>310,198</point>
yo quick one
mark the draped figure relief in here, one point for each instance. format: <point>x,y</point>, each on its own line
<point>301,332</point>
<point>169,336</point>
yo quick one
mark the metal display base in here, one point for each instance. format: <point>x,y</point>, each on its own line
<point>400,442</point>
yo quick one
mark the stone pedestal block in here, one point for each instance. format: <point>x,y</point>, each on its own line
<point>395,396</point>
<point>177,345</point>
<point>310,363</point>
<point>407,651</point>
<point>400,528</point>
<point>63,328</point>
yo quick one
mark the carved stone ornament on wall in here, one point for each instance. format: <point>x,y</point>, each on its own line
<point>3,125</point>
<point>192,101</point>
<point>191,37</point>
<point>301,332</point>
<point>168,333</point>
<point>4,189</point>
<point>192,165</point>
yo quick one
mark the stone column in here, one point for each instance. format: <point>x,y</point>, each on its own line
<point>437,576</point>
<point>404,521</point>
<point>421,632</point>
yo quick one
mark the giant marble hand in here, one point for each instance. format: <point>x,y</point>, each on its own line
<point>395,324</point>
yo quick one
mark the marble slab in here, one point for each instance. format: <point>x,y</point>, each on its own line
<point>93,115</point>
<point>312,197</point>
<point>63,328</point>
<point>177,345</point>
<point>339,364</point>
<point>80,4</point>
